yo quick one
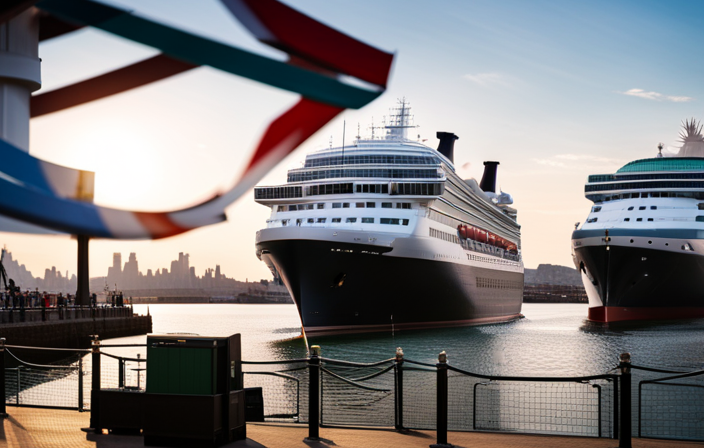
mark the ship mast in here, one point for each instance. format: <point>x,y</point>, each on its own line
<point>399,121</point>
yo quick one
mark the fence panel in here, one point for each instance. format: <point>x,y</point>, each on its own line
<point>284,389</point>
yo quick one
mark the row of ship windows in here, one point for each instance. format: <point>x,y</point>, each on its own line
<point>652,194</point>
<point>611,177</point>
<point>492,260</point>
<point>597,208</point>
<point>397,188</point>
<point>496,283</point>
<point>390,221</point>
<point>591,220</point>
<point>379,159</point>
<point>642,185</point>
<point>321,205</point>
<point>444,236</point>
<point>304,176</point>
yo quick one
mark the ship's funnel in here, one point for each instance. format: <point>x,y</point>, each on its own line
<point>488,182</point>
<point>447,144</point>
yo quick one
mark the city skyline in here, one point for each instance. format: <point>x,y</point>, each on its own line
<point>553,91</point>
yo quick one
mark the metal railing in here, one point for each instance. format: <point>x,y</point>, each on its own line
<point>397,392</point>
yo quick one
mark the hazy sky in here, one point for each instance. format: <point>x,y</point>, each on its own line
<point>554,90</point>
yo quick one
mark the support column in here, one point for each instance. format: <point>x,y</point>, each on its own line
<point>83,284</point>
<point>20,75</point>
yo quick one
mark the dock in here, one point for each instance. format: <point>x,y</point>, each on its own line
<point>49,428</point>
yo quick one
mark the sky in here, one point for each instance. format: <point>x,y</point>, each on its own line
<point>554,90</point>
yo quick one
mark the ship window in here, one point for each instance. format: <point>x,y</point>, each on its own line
<point>386,205</point>
<point>284,222</point>
<point>639,219</point>
<point>653,207</point>
<point>365,188</point>
<point>367,220</point>
<point>405,222</point>
<point>642,207</point>
<point>650,219</point>
<point>627,219</point>
<point>630,208</point>
<point>310,206</point>
<point>280,208</point>
<point>345,205</point>
<point>310,220</point>
<point>590,220</point>
<point>359,205</point>
<point>700,206</point>
<point>336,219</point>
<point>596,209</point>
<point>403,205</point>
<point>394,221</point>
<point>700,218</point>
<point>337,205</point>
<point>359,188</point>
<point>351,220</point>
<point>298,222</point>
<point>321,205</point>
<point>292,208</point>
<point>654,194</point>
<point>371,204</point>
<point>321,220</point>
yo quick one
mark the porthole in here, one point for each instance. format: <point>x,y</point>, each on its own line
<point>631,241</point>
<point>667,244</point>
<point>650,242</point>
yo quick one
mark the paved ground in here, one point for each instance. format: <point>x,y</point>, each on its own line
<point>30,428</point>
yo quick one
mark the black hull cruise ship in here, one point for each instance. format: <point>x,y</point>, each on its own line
<point>641,250</point>
<point>383,236</point>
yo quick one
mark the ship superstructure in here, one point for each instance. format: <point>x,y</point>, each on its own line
<point>383,235</point>
<point>641,249</point>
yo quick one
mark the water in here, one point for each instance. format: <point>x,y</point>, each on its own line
<point>553,339</point>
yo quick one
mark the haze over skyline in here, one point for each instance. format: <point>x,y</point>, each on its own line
<point>554,91</point>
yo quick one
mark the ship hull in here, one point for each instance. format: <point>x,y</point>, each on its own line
<point>628,283</point>
<point>358,288</point>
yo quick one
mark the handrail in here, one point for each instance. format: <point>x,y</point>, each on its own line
<point>290,361</point>
<point>546,379</point>
<point>373,375</point>
<point>345,380</point>
<point>355,364</point>
<point>80,350</point>
<point>41,366</point>
<point>123,358</point>
<point>653,369</point>
<point>674,377</point>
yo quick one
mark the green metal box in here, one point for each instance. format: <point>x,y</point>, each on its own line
<point>185,364</point>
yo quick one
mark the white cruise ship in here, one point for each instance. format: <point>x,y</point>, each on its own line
<point>382,235</point>
<point>641,249</point>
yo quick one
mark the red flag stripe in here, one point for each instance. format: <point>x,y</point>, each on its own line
<point>299,35</point>
<point>118,81</point>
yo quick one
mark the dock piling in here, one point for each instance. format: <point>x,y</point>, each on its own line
<point>441,403</point>
<point>95,385</point>
<point>398,395</point>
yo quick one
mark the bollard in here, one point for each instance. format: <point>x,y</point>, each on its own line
<point>80,384</point>
<point>121,373</point>
<point>624,440</point>
<point>398,369</point>
<point>313,395</point>
<point>95,386</point>
<point>3,408</point>
<point>442,403</point>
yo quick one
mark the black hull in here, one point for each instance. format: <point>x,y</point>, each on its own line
<point>356,288</point>
<point>635,283</point>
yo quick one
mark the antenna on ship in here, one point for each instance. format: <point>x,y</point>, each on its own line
<point>660,146</point>
<point>400,120</point>
<point>358,132</point>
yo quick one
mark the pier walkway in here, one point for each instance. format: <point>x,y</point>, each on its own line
<point>30,428</point>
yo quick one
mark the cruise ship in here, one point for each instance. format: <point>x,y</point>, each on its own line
<point>641,250</point>
<point>383,235</point>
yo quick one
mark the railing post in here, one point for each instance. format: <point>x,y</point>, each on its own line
<point>624,440</point>
<point>398,368</point>
<point>3,407</point>
<point>441,410</point>
<point>121,373</point>
<point>95,386</point>
<point>80,384</point>
<point>313,395</point>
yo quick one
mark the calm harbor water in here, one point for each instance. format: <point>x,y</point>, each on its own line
<point>552,340</point>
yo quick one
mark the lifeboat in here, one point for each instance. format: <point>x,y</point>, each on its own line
<point>463,231</point>
<point>471,233</point>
